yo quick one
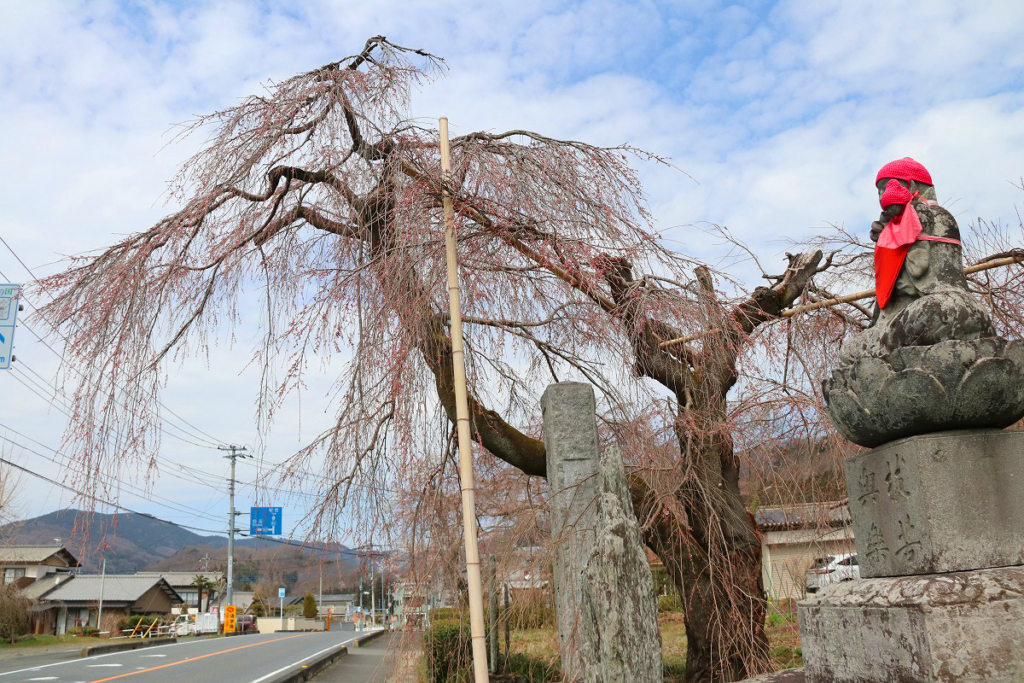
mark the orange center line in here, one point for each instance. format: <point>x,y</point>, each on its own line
<point>192,659</point>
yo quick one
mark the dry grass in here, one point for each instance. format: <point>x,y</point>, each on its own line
<point>784,640</point>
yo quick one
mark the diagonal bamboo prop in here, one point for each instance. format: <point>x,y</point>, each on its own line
<point>828,303</point>
<point>476,598</point>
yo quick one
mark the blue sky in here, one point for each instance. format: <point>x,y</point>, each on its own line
<point>781,113</point>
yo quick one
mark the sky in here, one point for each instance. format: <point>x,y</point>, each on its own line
<point>778,115</point>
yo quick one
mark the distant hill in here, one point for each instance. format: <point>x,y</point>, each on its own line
<point>137,542</point>
<point>270,565</point>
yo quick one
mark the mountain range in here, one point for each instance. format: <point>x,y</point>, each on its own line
<point>133,542</point>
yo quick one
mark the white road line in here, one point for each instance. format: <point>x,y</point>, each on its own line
<point>45,678</point>
<point>293,664</point>
<point>109,654</point>
<point>101,666</point>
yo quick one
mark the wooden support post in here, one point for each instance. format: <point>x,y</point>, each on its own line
<point>493,616</point>
<point>476,598</point>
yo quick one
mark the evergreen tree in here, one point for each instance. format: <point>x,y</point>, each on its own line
<point>309,606</point>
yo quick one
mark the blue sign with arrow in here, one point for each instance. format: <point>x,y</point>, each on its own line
<point>9,295</point>
<point>265,521</point>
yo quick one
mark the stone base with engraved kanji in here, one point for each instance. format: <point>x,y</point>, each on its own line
<point>939,526</point>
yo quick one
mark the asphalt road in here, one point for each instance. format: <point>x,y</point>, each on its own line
<point>245,659</point>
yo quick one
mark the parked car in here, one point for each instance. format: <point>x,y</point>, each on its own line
<point>832,569</point>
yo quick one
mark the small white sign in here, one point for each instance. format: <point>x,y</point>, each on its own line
<point>280,593</point>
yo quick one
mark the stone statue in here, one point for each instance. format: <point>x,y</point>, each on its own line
<point>931,359</point>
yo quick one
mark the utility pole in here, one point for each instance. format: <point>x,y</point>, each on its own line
<point>320,602</point>
<point>103,578</point>
<point>235,453</point>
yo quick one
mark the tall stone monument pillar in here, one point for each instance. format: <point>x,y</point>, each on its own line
<point>604,595</point>
<point>938,503</point>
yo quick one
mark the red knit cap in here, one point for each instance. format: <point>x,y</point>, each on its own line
<point>905,169</point>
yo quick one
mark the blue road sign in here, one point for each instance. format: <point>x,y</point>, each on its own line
<point>9,295</point>
<point>265,522</point>
<point>280,593</point>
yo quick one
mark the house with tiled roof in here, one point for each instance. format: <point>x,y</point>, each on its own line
<point>76,600</point>
<point>793,537</point>
<point>22,564</point>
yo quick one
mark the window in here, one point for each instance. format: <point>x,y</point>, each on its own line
<point>12,574</point>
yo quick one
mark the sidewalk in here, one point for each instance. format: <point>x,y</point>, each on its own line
<point>380,661</point>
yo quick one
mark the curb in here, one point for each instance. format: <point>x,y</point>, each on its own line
<point>93,650</point>
<point>314,667</point>
<point>308,671</point>
<point>369,636</point>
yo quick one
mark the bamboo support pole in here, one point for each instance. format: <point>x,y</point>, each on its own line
<point>829,303</point>
<point>476,598</point>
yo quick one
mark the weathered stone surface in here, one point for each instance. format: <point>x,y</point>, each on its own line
<point>953,384</point>
<point>931,360</point>
<point>620,613</point>
<point>964,626</point>
<point>604,597</point>
<point>944,502</point>
<point>570,438</point>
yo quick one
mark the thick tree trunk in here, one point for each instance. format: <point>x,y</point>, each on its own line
<point>723,596</point>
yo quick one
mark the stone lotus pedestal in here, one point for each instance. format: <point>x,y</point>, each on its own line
<point>939,529</point>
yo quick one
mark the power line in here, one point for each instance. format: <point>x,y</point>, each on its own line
<point>97,499</point>
<point>67,460</point>
<point>63,407</point>
<point>214,441</point>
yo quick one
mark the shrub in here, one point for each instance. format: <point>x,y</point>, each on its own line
<point>15,617</point>
<point>309,606</point>
<point>530,615</point>
<point>141,621</point>
<point>670,603</point>
<point>258,608</point>
<point>448,615</point>
<point>780,613</point>
<point>447,650</point>
<point>526,669</point>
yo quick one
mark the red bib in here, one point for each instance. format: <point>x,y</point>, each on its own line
<point>896,239</point>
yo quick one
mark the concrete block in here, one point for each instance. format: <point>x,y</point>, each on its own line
<point>964,626</point>
<point>943,502</point>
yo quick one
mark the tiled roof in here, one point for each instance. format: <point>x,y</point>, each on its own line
<point>805,516</point>
<point>184,579</point>
<point>33,554</point>
<point>116,588</point>
<point>41,587</point>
